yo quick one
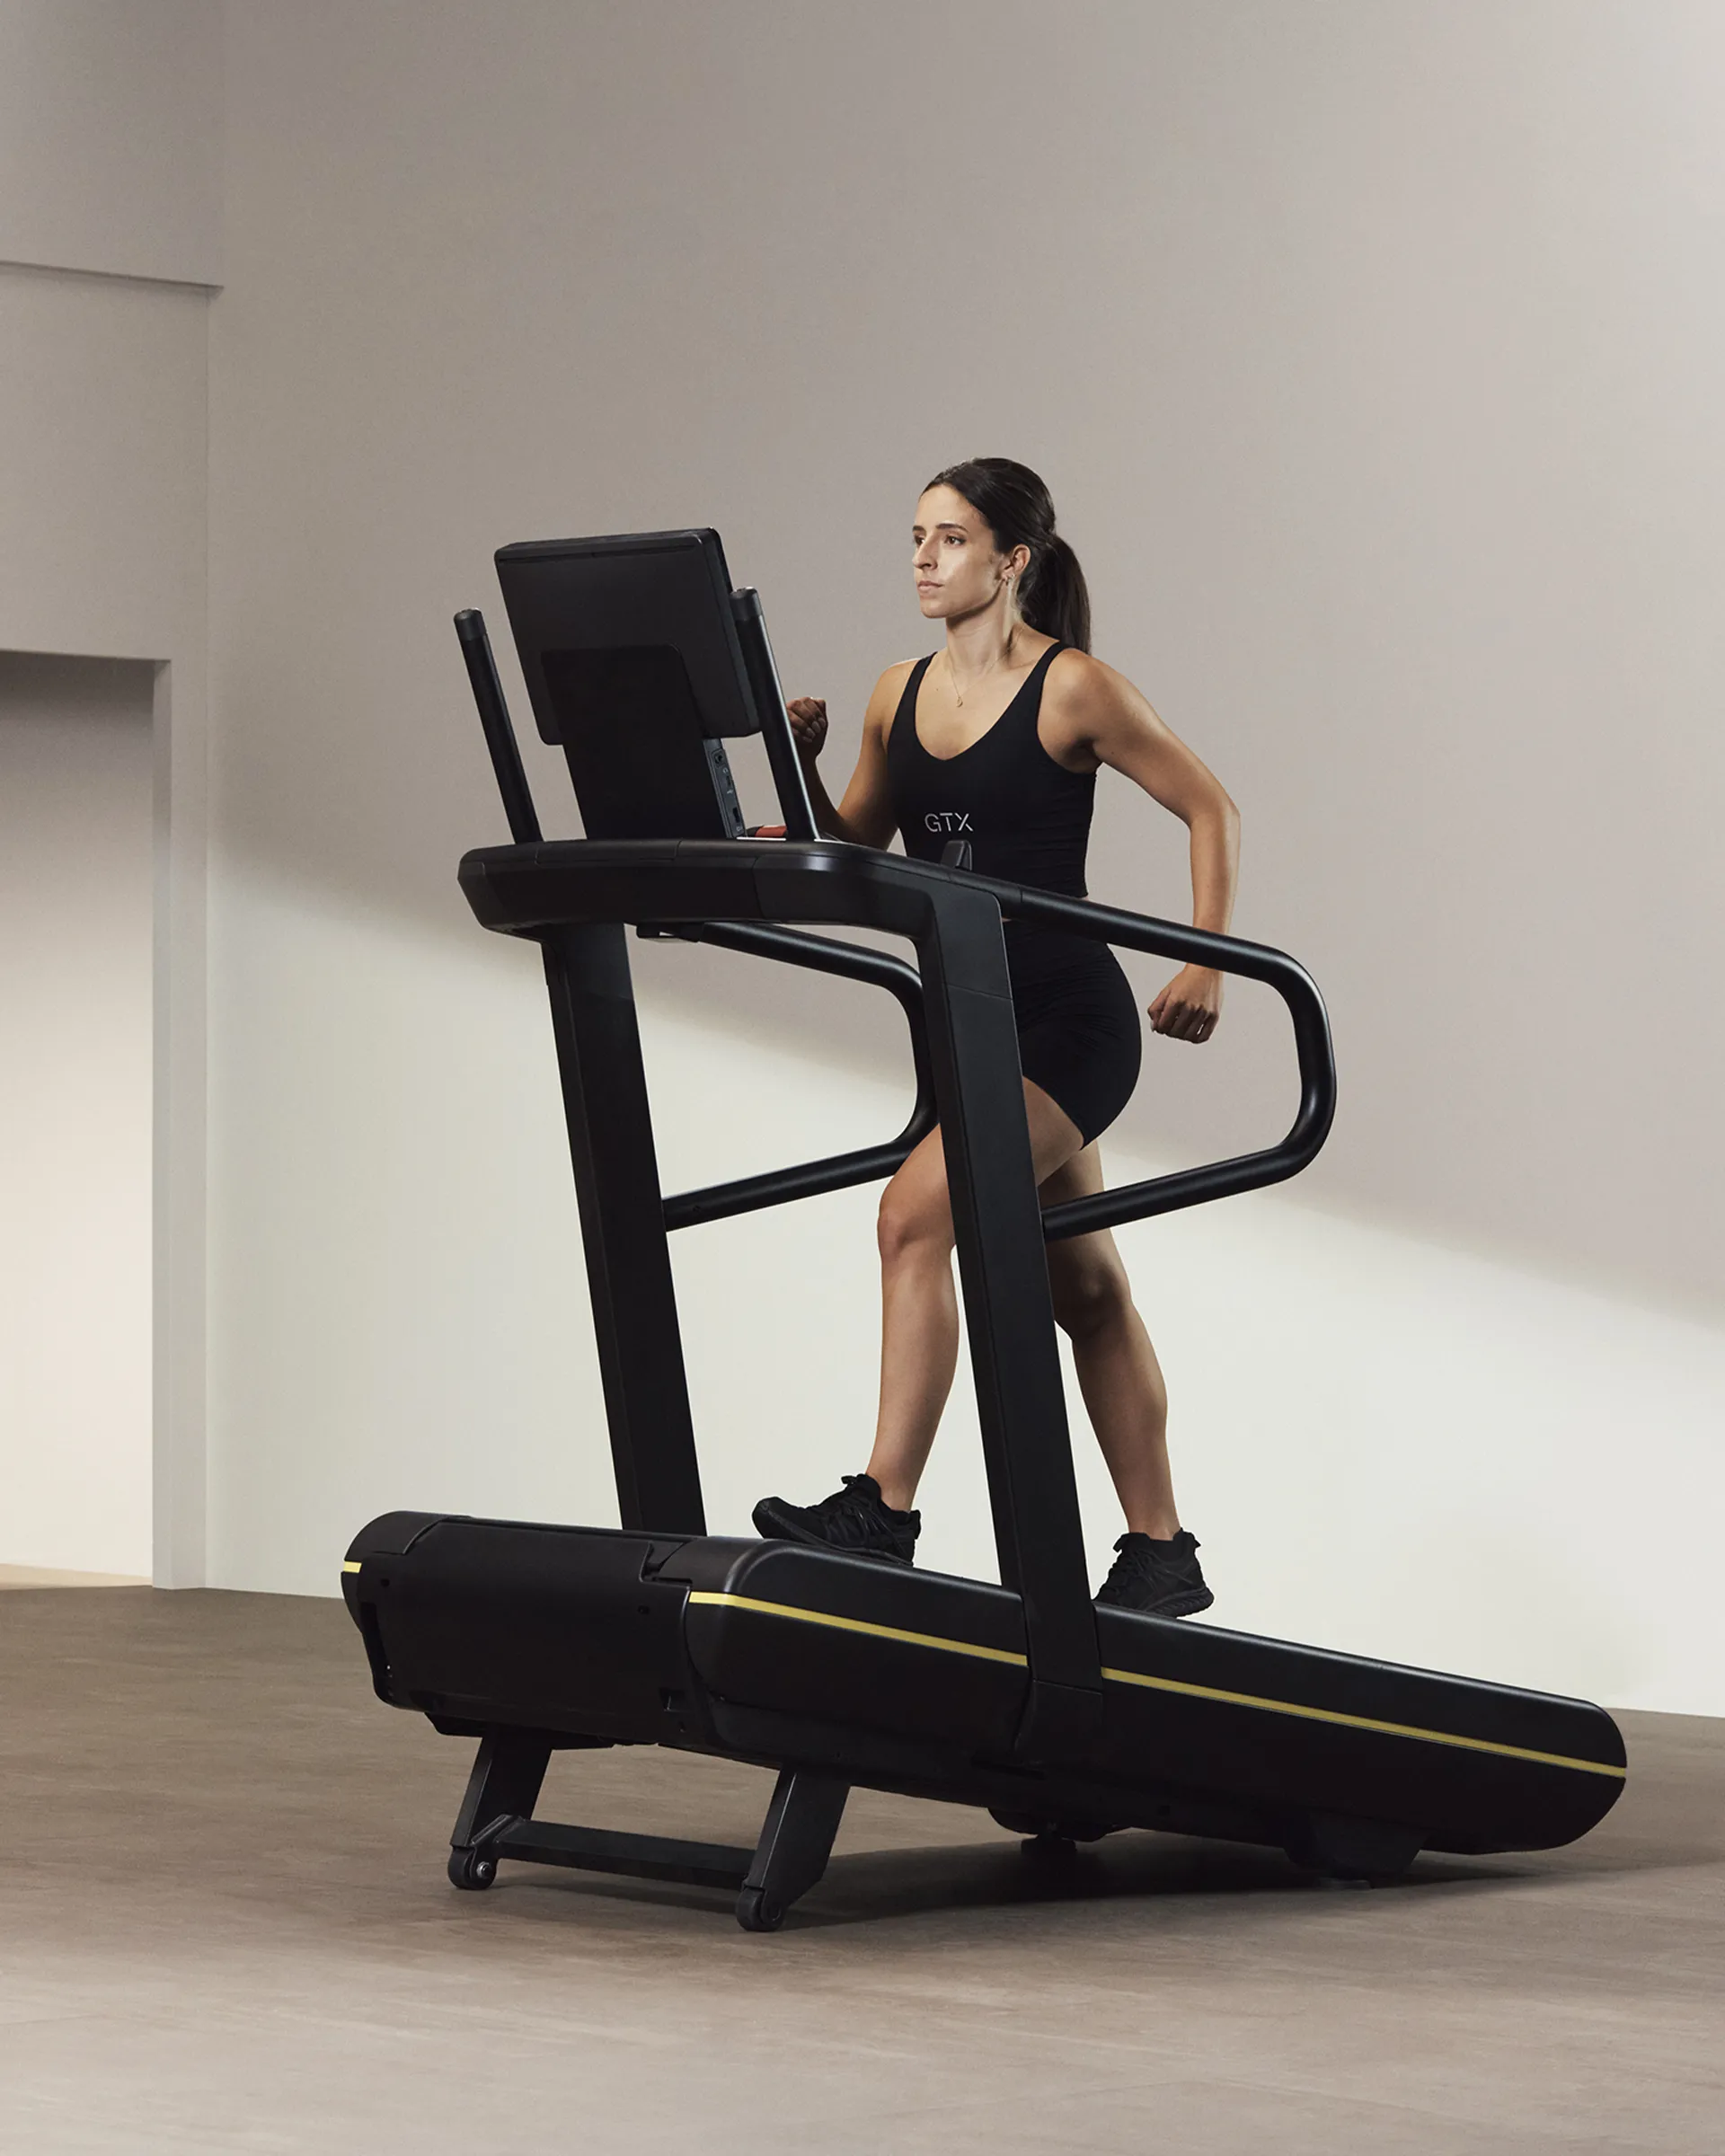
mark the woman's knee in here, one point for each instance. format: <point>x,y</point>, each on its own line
<point>913,1216</point>
<point>1091,1293</point>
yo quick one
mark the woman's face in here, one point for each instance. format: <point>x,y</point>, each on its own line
<point>957,567</point>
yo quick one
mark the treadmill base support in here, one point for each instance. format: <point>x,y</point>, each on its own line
<point>496,1820</point>
<point>1353,1852</point>
<point>796,1841</point>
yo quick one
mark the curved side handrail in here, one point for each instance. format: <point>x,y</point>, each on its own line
<point>1228,954</point>
<point>839,1171</point>
<point>519,890</point>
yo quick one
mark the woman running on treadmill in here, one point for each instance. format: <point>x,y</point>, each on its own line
<point>997,739</point>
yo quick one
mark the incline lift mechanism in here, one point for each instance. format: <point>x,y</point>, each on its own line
<point>1025,1698</point>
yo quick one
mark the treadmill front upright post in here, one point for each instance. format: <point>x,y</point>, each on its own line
<point>623,1228</point>
<point>1009,1314</point>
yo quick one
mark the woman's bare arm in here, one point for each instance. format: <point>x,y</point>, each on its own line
<point>864,816</point>
<point>1101,711</point>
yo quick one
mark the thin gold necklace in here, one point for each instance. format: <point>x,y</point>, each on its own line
<point>952,674</point>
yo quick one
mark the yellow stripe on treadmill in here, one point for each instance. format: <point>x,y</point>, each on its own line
<point>859,1624</point>
<point>1131,1677</point>
<point>1361,1721</point>
<point>350,1564</point>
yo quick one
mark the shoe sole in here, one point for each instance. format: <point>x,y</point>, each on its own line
<point>1182,1605</point>
<point>804,1540</point>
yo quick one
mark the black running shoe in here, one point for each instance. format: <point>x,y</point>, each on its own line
<point>855,1519</point>
<point>1164,1580</point>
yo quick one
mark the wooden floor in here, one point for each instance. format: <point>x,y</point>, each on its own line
<point>227,1929</point>
<point>45,1576</point>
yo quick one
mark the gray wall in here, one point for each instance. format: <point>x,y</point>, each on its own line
<point>111,140</point>
<point>1371,351</point>
<point>110,225</point>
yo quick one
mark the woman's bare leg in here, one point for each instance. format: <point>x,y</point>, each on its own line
<point>919,1303</point>
<point>1118,1372</point>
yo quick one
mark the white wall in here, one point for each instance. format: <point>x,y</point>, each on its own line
<point>110,131</point>
<point>75,964</point>
<point>102,421</point>
<point>110,137</point>
<point>1383,1445</point>
<point>1368,351</point>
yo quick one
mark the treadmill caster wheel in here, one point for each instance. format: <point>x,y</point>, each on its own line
<point>474,1868</point>
<point>756,1912</point>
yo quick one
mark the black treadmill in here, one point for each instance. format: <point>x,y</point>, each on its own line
<point>1064,1720</point>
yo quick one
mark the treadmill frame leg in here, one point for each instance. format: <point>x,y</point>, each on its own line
<point>496,1820</point>
<point>796,1841</point>
<point>508,1772</point>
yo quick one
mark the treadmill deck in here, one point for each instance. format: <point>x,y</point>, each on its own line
<point>918,1682</point>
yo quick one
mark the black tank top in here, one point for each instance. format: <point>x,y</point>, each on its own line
<point>1026,817</point>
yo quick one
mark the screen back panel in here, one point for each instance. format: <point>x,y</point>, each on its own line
<point>633,667</point>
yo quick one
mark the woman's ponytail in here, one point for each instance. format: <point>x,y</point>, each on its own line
<point>1016,507</point>
<point>1054,597</point>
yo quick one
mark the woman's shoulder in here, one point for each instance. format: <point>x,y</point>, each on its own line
<point>900,671</point>
<point>890,689</point>
<point>1072,668</point>
<point>1081,680</point>
<point>1083,697</point>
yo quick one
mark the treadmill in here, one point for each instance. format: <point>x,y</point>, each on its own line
<point>1064,1722</point>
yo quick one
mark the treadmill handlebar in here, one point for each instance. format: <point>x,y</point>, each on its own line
<point>499,731</point>
<point>838,1171</point>
<point>764,690</point>
<point>693,884</point>
<point>1227,954</point>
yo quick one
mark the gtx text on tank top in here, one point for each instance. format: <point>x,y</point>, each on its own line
<point>1027,816</point>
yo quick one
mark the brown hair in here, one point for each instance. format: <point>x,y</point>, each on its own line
<point>1016,507</point>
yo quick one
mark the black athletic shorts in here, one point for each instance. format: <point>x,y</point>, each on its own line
<point>1080,1036</point>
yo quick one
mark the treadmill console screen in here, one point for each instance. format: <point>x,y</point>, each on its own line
<point>634,667</point>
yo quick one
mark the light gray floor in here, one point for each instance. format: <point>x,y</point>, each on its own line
<point>226,1928</point>
<point>56,1575</point>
